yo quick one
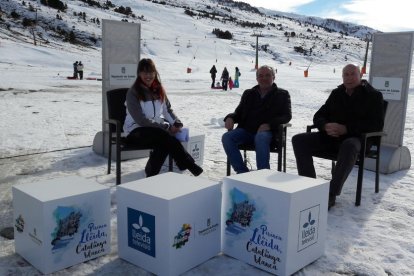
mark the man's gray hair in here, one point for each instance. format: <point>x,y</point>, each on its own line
<point>268,67</point>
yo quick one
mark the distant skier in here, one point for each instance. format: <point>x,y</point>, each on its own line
<point>213,72</point>
<point>75,70</point>
<point>237,74</point>
<point>224,78</point>
<point>80,70</point>
<point>231,84</point>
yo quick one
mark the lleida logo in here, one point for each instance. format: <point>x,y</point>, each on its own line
<point>195,150</point>
<point>308,227</point>
<point>141,231</point>
<point>183,236</point>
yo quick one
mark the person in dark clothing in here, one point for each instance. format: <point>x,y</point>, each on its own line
<point>151,122</point>
<point>213,72</point>
<point>75,70</point>
<point>260,111</point>
<point>224,78</point>
<point>80,70</point>
<point>354,107</point>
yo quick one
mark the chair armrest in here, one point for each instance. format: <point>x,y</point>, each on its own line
<point>283,126</point>
<point>281,134</point>
<point>363,135</point>
<point>376,144</point>
<point>117,125</point>
<point>114,122</point>
<point>310,127</point>
<point>373,134</point>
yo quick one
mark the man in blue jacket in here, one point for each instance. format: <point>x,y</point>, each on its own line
<point>260,111</point>
<point>351,109</point>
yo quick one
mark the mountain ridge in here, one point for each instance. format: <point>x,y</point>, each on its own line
<point>79,23</point>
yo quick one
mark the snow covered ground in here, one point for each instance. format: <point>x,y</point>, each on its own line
<point>48,124</point>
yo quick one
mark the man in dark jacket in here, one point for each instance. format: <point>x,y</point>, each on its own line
<point>351,109</point>
<point>213,72</point>
<point>75,70</point>
<point>260,111</point>
<point>224,78</point>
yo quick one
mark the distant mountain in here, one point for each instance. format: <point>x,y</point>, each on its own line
<point>331,25</point>
<point>54,22</point>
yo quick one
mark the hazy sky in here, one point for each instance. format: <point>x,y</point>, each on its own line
<point>383,15</point>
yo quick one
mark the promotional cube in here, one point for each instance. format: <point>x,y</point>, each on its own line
<point>169,223</point>
<point>274,221</point>
<point>61,222</point>
<point>195,147</point>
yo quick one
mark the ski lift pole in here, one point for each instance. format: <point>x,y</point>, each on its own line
<point>364,67</point>
<point>309,66</point>
<point>306,72</point>
<point>256,66</point>
<point>191,60</point>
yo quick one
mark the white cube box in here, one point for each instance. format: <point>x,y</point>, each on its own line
<point>274,221</point>
<point>195,147</point>
<point>61,222</point>
<point>169,223</point>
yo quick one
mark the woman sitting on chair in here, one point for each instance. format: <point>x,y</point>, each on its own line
<point>151,122</point>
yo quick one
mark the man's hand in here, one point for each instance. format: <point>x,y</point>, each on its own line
<point>173,130</point>
<point>263,127</point>
<point>335,129</point>
<point>229,123</point>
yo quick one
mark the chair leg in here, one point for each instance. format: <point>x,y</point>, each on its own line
<point>228,167</point>
<point>109,153</point>
<point>279,160</point>
<point>377,174</point>
<point>359,182</point>
<point>170,163</point>
<point>284,149</point>
<point>118,163</point>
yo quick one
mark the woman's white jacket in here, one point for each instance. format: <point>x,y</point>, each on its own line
<point>149,112</point>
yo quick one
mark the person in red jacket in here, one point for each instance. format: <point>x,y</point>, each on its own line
<point>354,107</point>
<point>231,84</point>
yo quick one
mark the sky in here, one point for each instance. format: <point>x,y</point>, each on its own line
<point>49,123</point>
<point>383,15</point>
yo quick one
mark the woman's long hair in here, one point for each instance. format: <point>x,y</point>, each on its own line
<point>147,65</point>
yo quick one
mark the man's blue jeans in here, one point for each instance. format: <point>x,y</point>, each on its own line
<point>261,140</point>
